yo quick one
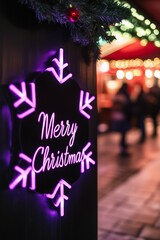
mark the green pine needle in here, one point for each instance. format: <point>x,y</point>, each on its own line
<point>96,17</point>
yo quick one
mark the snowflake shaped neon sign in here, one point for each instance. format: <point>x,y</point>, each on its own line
<point>52,128</point>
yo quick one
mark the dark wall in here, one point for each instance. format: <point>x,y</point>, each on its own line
<point>24,45</point>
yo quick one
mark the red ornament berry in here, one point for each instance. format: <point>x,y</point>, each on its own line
<point>73,14</point>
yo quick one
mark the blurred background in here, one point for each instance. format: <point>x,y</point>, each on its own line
<point>133,57</point>
<point>129,186</point>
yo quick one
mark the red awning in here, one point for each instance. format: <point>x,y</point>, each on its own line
<point>134,50</point>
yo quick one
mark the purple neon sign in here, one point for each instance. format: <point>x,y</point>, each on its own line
<point>54,127</point>
<point>23,98</point>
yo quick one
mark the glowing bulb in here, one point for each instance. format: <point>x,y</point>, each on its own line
<point>136,72</point>
<point>153,26</point>
<point>147,22</point>
<point>120,74</point>
<point>157,73</point>
<point>104,67</point>
<point>144,42</point>
<point>129,75</point>
<point>148,73</point>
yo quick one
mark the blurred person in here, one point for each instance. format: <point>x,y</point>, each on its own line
<point>153,105</point>
<point>120,116</point>
<point>139,102</point>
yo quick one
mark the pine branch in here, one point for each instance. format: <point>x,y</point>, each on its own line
<point>96,17</point>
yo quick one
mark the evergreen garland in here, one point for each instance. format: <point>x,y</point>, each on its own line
<point>94,20</point>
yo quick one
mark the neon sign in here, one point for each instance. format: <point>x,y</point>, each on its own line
<point>22,94</point>
<point>53,114</point>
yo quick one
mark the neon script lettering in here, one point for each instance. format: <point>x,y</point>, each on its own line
<point>51,162</point>
<point>51,130</point>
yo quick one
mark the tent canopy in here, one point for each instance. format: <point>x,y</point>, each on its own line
<point>132,50</point>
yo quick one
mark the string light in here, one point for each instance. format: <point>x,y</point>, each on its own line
<point>138,26</point>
